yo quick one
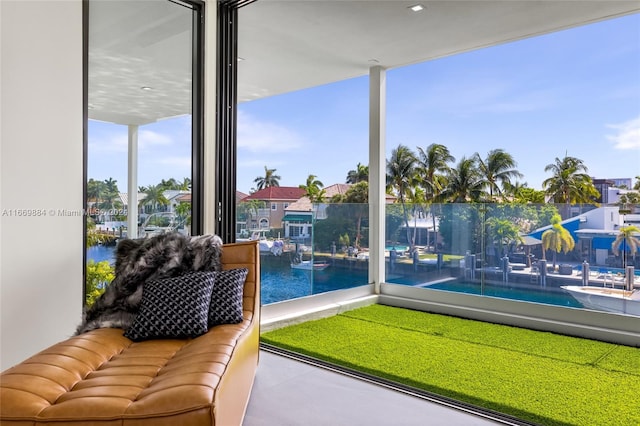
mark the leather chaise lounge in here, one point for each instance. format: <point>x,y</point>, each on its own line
<point>103,378</point>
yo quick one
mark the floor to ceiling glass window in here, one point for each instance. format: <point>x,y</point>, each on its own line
<point>302,182</point>
<point>477,146</point>
<point>144,128</point>
<point>515,170</point>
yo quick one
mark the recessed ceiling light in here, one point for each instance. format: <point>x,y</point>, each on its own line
<point>416,7</point>
<point>146,88</point>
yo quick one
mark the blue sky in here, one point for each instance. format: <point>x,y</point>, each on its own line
<point>574,92</point>
<point>164,151</point>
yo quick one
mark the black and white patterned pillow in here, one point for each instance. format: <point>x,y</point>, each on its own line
<point>226,298</point>
<point>175,307</point>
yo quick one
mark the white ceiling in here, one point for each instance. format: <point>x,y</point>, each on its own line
<point>288,45</point>
<point>136,44</point>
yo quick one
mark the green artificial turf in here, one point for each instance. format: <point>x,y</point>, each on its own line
<point>536,376</point>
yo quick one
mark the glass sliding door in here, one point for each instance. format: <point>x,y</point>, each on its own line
<point>517,180</point>
<point>144,135</point>
<point>302,187</point>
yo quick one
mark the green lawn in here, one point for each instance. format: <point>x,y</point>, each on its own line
<point>536,376</point>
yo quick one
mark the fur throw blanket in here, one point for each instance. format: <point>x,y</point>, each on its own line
<point>139,260</point>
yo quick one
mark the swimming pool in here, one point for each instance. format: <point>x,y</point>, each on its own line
<point>549,296</point>
<point>399,248</point>
<point>607,270</point>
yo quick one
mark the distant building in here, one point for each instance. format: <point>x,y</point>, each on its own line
<point>603,185</point>
<point>175,197</point>
<point>622,182</point>
<point>240,196</point>
<point>276,199</point>
<point>614,195</point>
<point>298,220</point>
<point>611,188</point>
<point>594,232</point>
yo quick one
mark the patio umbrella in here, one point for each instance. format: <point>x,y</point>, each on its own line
<point>528,241</point>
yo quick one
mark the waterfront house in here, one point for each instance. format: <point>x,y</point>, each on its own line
<point>594,232</point>
<point>275,199</point>
<point>298,219</point>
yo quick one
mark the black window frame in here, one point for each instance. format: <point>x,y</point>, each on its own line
<point>197,118</point>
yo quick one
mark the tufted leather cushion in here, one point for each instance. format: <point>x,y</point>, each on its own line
<point>103,378</point>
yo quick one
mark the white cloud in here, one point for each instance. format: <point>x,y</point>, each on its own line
<point>627,135</point>
<point>261,136</point>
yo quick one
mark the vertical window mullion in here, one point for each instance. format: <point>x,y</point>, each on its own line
<point>197,122</point>
<point>226,118</point>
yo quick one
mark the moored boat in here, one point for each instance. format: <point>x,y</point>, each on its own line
<point>309,265</point>
<point>606,299</point>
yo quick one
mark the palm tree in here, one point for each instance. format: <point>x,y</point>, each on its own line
<point>95,190</point>
<point>155,196</point>
<point>248,210</point>
<point>254,206</point>
<point>184,212</point>
<point>416,197</point>
<point>626,241</point>
<point>521,193</point>
<point>169,184</point>
<point>185,185</point>
<point>401,178</point>
<point>357,197</point>
<point>269,179</point>
<point>433,166</point>
<point>464,182</point>
<point>557,239</point>
<point>313,189</point>
<point>361,174</point>
<point>315,193</point>
<point>570,183</point>
<point>497,169</point>
<point>111,192</point>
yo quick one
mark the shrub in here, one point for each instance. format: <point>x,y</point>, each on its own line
<point>99,275</point>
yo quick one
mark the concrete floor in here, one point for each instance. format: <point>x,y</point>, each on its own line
<point>288,392</point>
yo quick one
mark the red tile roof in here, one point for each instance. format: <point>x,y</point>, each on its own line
<point>277,193</point>
<point>336,189</point>
<point>240,196</point>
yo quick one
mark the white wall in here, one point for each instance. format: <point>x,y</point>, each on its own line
<point>40,168</point>
<point>605,218</point>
